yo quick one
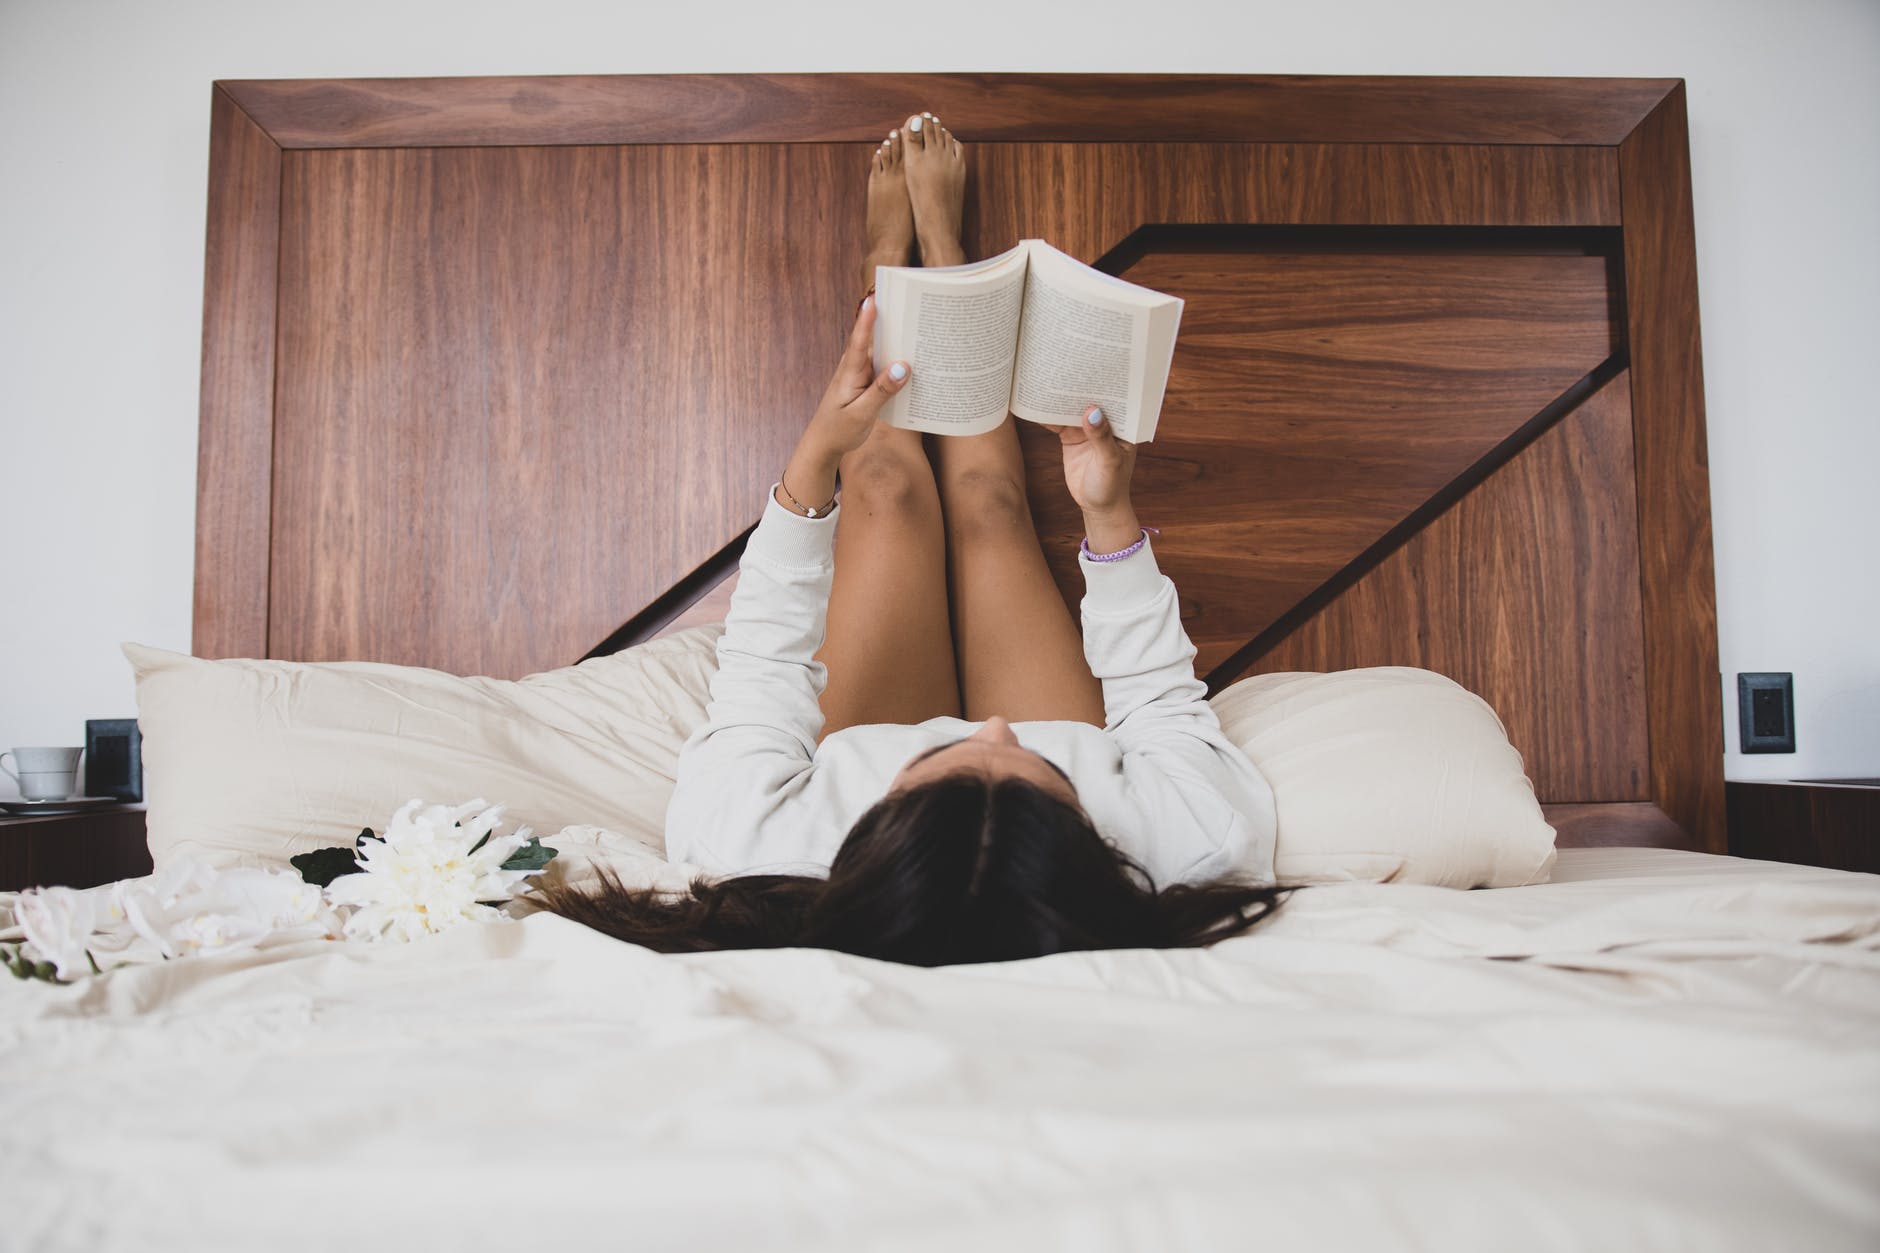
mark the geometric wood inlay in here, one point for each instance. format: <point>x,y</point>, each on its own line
<point>1526,592</point>
<point>1316,400</point>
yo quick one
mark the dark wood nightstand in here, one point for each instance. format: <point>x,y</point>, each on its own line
<point>1812,822</point>
<point>72,850</point>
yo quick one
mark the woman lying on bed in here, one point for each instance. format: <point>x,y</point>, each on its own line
<point>910,754</point>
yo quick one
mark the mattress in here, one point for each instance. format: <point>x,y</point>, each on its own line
<point>1657,1050</point>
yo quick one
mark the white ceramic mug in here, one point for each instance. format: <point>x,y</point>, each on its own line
<point>45,774</point>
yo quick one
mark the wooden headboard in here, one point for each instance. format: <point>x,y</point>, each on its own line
<point>495,372</point>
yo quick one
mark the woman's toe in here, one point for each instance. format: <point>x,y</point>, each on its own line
<point>914,133</point>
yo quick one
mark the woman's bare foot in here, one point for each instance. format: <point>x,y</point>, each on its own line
<point>890,215</point>
<point>936,187</point>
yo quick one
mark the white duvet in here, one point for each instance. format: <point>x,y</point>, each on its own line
<point>1658,1050</point>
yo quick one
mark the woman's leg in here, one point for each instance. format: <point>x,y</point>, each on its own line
<point>1018,652</point>
<point>888,647</point>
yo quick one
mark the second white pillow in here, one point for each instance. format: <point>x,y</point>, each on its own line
<point>1389,774</point>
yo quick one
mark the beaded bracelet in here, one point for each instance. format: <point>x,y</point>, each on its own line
<point>1131,551</point>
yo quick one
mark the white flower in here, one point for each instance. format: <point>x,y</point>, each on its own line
<point>191,907</point>
<point>422,877</point>
<point>59,923</point>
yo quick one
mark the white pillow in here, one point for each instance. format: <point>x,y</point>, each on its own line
<point>1386,774</point>
<point>250,762</point>
<point>1389,774</point>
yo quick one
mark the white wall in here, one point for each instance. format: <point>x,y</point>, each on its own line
<point>104,124</point>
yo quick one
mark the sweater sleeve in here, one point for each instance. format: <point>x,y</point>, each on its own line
<point>754,750</point>
<point>1203,809</point>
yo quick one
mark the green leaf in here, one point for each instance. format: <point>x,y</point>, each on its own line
<point>531,856</point>
<point>323,865</point>
<point>365,833</point>
<point>96,969</point>
<point>480,843</point>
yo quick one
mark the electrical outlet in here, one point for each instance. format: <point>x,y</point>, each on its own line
<point>1766,712</point>
<point>114,759</point>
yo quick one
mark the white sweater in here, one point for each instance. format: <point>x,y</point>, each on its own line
<point>756,794</point>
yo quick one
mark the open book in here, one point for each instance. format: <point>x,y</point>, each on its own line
<point>1033,331</point>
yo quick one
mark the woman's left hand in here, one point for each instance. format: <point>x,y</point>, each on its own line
<point>855,394</point>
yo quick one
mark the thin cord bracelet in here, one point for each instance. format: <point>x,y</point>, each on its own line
<point>802,508</point>
<point>1131,551</point>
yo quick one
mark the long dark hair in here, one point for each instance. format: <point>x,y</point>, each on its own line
<point>962,869</point>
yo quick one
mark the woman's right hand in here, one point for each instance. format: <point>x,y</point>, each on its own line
<point>1097,465</point>
<point>1097,469</point>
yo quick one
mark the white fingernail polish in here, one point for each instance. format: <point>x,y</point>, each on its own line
<point>897,371</point>
<point>1095,416</point>
<point>913,124</point>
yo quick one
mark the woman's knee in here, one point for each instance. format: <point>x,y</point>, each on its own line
<point>986,503</point>
<point>889,480</point>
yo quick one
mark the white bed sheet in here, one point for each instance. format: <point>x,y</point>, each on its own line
<point>1657,1050</point>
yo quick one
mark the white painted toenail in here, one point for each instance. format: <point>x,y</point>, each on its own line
<point>913,124</point>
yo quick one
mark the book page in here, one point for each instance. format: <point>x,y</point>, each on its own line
<point>1081,343</point>
<point>1087,338</point>
<point>958,327</point>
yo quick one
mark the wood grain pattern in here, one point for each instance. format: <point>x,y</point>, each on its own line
<point>235,444</point>
<point>1809,824</point>
<point>1316,401</point>
<point>820,108</point>
<point>1679,580</point>
<point>1526,593</point>
<point>522,391</point>
<point>1086,198</point>
<point>1634,825</point>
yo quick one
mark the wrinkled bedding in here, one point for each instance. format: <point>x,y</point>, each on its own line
<point>1658,1050</point>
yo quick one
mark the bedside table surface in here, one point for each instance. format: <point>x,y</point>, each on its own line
<point>8,820</point>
